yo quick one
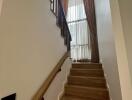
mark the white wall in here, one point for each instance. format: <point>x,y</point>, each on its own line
<point>124,74</point>
<point>107,47</point>
<point>112,49</point>
<point>56,89</point>
<point>30,46</point>
<point>126,15</point>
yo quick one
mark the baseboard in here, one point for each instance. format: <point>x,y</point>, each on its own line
<point>61,95</point>
<point>64,84</point>
<point>107,84</point>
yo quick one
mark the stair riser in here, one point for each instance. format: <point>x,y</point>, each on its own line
<point>68,97</point>
<point>87,66</point>
<point>87,73</point>
<point>87,82</point>
<point>87,93</point>
<point>72,98</point>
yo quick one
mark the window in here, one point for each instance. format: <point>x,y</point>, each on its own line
<point>80,44</point>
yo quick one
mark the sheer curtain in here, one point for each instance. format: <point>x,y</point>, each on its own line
<point>80,44</point>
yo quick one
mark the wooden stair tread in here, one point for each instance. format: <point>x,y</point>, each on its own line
<point>87,92</point>
<point>73,98</point>
<point>66,97</point>
<point>84,87</point>
<point>87,65</point>
<point>87,81</point>
<point>86,77</point>
<point>87,72</point>
<point>78,98</point>
<point>86,69</point>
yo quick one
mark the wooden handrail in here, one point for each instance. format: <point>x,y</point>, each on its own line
<point>42,90</point>
<point>62,23</point>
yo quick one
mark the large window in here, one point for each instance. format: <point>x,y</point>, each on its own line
<point>80,44</point>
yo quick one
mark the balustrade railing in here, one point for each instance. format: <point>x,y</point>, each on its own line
<point>58,10</point>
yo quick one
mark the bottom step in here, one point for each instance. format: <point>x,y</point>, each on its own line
<point>72,98</point>
<point>76,98</point>
<point>87,92</point>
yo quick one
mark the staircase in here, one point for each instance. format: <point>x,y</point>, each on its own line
<point>86,82</point>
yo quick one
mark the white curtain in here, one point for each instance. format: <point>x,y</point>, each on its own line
<point>80,44</point>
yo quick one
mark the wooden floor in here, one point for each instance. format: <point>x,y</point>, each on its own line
<point>86,82</point>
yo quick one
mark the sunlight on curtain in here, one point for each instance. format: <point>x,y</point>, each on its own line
<point>80,44</point>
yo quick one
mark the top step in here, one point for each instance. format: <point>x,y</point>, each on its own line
<point>87,65</point>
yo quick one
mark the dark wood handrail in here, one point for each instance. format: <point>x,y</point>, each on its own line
<point>42,90</point>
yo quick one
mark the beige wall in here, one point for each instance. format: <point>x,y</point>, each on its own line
<point>123,67</point>
<point>113,49</point>
<point>107,47</point>
<point>126,15</point>
<point>56,89</point>
<point>30,46</point>
<point>1,2</point>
